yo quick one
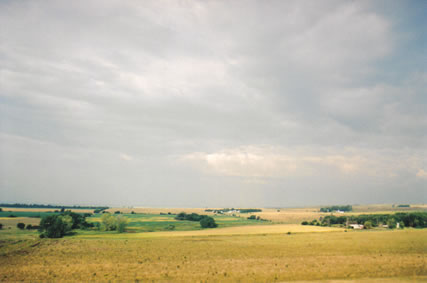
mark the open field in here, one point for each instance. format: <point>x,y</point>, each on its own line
<point>239,249</point>
<point>356,255</point>
<point>237,230</point>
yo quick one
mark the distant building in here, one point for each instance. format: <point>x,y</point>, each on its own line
<point>356,226</point>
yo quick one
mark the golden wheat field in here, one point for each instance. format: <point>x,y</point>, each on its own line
<point>331,255</point>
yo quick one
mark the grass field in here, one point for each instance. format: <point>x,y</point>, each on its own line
<point>357,255</point>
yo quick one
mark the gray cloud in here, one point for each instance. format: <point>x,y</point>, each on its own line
<point>212,103</point>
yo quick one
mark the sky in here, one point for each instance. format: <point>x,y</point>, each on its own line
<point>213,103</point>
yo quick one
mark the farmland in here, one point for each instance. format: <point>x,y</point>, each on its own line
<point>238,250</point>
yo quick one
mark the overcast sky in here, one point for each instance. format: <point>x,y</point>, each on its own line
<point>213,103</point>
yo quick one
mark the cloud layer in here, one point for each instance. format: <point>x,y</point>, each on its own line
<point>212,103</point>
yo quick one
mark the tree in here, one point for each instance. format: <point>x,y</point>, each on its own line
<point>1,226</point>
<point>368,225</point>
<point>391,223</point>
<point>20,225</point>
<point>108,222</point>
<point>55,226</point>
<point>208,222</point>
<point>1,209</point>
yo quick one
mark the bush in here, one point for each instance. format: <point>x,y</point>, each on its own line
<point>1,209</point>
<point>367,225</point>
<point>208,222</point>
<point>170,227</point>
<point>122,222</point>
<point>1,226</point>
<point>252,217</point>
<point>20,225</point>
<point>114,223</point>
<point>304,223</point>
<point>29,227</point>
<point>117,212</point>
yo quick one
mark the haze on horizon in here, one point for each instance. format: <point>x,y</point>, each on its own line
<point>213,103</point>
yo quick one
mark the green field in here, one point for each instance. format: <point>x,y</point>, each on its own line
<point>157,222</point>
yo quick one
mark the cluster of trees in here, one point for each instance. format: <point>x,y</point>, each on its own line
<point>336,208</point>
<point>113,223</point>
<point>205,221</point>
<point>403,205</point>
<point>58,225</point>
<point>412,219</point>
<point>23,205</point>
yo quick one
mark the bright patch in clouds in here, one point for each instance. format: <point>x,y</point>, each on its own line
<point>422,174</point>
<point>276,162</point>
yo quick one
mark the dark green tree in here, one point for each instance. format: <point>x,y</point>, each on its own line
<point>55,226</point>
<point>20,225</point>
<point>208,222</point>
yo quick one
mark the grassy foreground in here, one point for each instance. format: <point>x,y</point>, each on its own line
<point>356,255</point>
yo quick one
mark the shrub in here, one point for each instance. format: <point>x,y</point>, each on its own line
<point>132,212</point>
<point>117,212</point>
<point>29,227</point>
<point>304,223</point>
<point>170,227</point>
<point>114,223</point>
<point>208,222</point>
<point>121,222</point>
<point>1,209</point>
<point>252,217</point>
<point>1,226</point>
<point>20,225</point>
<point>367,225</point>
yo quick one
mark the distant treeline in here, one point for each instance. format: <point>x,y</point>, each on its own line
<point>205,221</point>
<point>412,219</point>
<point>336,208</point>
<point>23,205</point>
<point>403,205</point>
<point>239,210</point>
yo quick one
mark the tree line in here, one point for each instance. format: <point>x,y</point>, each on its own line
<point>23,205</point>
<point>412,219</point>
